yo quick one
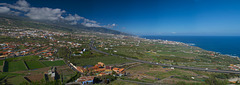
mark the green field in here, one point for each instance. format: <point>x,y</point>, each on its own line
<point>25,58</point>
<point>54,63</point>
<point>34,64</point>
<point>4,75</point>
<point>16,80</point>
<point>119,82</point>
<point>1,62</point>
<point>16,66</point>
<point>162,75</point>
<point>94,60</point>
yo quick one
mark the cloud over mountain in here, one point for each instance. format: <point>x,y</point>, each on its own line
<point>44,13</point>
<point>4,9</point>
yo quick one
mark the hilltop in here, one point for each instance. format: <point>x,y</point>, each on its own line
<point>23,22</point>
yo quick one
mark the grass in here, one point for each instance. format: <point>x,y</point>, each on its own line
<point>162,75</point>
<point>105,59</point>
<point>16,66</point>
<point>34,64</point>
<point>7,74</point>
<point>92,58</point>
<point>2,76</point>
<point>25,58</point>
<point>116,82</point>
<point>54,63</point>
<point>1,68</point>
<point>16,80</point>
<point>1,62</point>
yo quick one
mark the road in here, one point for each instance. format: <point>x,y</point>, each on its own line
<point>141,83</point>
<point>175,66</point>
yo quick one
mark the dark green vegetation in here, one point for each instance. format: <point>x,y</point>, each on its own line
<point>28,62</point>
<point>1,62</point>
<point>16,66</point>
<point>5,75</point>
<point>54,63</point>
<point>34,64</point>
<point>91,58</point>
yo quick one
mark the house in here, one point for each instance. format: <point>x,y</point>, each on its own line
<point>3,56</point>
<point>103,74</point>
<point>101,64</point>
<point>52,59</point>
<point>108,68</point>
<point>233,80</point>
<point>119,71</point>
<point>80,69</point>
<point>85,80</point>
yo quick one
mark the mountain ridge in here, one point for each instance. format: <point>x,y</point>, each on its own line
<point>10,20</point>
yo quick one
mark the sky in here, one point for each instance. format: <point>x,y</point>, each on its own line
<point>139,17</point>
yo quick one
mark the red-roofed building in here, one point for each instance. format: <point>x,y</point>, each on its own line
<point>119,71</point>
<point>86,80</point>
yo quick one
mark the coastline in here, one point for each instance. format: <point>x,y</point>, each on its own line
<point>190,44</point>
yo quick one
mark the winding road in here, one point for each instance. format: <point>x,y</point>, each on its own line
<point>175,66</point>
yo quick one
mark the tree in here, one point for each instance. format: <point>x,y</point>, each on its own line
<point>214,81</point>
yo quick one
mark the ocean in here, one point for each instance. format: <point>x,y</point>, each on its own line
<point>229,45</point>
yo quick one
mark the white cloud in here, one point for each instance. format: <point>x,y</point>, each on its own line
<point>91,25</point>
<point>113,24</point>
<point>23,3</point>
<point>73,17</point>
<point>15,13</point>
<point>45,13</point>
<point>89,21</point>
<point>4,9</point>
<point>20,5</point>
<point>36,13</point>
<point>110,25</point>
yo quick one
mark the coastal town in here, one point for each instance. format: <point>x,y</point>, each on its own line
<point>39,55</point>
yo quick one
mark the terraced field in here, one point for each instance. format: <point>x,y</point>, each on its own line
<point>1,62</point>
<point>54,63</point>
<point>16,66</point>
<point>34,64</point>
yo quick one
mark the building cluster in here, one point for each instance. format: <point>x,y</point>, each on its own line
<point>20,33</point>
<point>97,70</point>
<point>235,80</point>
<point>234,67</point>
<point>14,49</point>
<point>172,42</point>
<point>46,49</point>
<point>34,33</point>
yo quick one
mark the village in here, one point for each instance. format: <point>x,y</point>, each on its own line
<point>90,73</point>
<point>68,57</point>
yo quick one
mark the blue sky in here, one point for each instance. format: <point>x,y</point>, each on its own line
<point>155,17</point>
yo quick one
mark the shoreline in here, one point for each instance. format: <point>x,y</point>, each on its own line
<point>193,44</point>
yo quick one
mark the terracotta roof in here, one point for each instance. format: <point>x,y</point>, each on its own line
<point>122,69</point>
<point>81,69</point>
<point>85,78</point>
<point>102,69</point>
<point>115,68</point>
<point>108,67</point>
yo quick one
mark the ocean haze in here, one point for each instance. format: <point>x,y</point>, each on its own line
<point>224,44</point>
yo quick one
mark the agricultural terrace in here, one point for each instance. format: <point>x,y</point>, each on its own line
<point>54,63</point>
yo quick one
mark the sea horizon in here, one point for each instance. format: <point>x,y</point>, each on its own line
<point>227,45</point>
